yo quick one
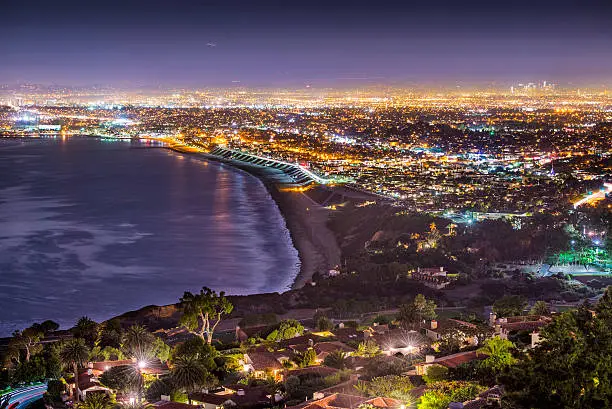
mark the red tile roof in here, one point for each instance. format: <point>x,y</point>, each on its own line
<point>251,396</point>
<point>153,367</point>
<point>211,398</point>
<point>327,347</point>
<point>262,360</point>
<point>105,365</point>
<point>523,326</point>
<point>336,400</point>
<point>173,405</point>
<point>347,401</point>
<point>381,402</point>
<point>86,380</point>
<point>482,400</point>
<point>318,370</point>
<point>348,334</point>
<point>454,360</point>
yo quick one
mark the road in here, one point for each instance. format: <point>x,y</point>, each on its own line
<point>20,398</point>
<point>593,197</point>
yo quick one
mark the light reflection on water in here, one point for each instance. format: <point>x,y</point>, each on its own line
<point>93,228</point>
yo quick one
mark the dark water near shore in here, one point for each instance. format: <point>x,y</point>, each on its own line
<point>97,228</point>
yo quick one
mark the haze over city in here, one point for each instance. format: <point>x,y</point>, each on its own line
<point>319,43</point>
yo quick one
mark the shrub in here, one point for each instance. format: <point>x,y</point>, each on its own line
<point>324,324</point>
<point>368,349</point>
<point>336,359</point>
<point>435,373</point>
<point>285,330</point>
<point>392,386</point>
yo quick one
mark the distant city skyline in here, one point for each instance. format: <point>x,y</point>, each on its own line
<point>334,43</point>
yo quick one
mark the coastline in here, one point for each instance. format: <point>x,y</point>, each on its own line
<point>317,246</point>
<point>306,221</point>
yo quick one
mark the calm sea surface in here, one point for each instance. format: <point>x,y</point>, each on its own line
<point>97,228</point>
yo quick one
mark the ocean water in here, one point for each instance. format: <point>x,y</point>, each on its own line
<point>97,228</point>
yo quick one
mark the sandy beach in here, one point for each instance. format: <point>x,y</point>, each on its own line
<point>306,221</point>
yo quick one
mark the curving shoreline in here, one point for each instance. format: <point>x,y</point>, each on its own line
<point>305,220</point>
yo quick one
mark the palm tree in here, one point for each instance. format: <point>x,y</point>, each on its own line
<point>87,329</point>
<point>499,353</point>
<point>189,374</point>
<point>139,343</point>
<point>336,359</point>
<point>97,401</point>
<point>73,354</point>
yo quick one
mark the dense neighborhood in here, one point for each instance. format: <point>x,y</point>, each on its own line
<point>420,357</point>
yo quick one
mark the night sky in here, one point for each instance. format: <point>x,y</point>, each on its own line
<point>276,43</point>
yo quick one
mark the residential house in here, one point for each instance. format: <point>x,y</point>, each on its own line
<point>152,367</point>
<point>261,364</point>
<point>319,370</point>
<point>503,327</point>
<point>88,383</point>
<point>346,334</point>
<point>167,404</point>
<point>435,277</point>
<point>307,339</point>
<point>348,401</point>
<point>322,349</point>
<point>469,334</point>
<point>99,367</point>
<point>236,396</point>
<point>449,361</point>
<point>377,328</point>
<point>488,398</point>
<point>400,342</point>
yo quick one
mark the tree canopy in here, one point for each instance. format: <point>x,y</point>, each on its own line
<point>336,359</point>
<point>572,365</point>
<point>97,401</point>
<point>285,330</point>
<point>86,329</point>
<point>123,378</point>
<point>441,394</point>
<point>189,374</point>
<point>308,358</point>
<point>392,386</point>
<point>368,349</point>
<point>139,343</point>
<point>74,353</point>
<point>412,314</point>
<point>499,354</point>
<point>539,308</point>
<point>202,312</point>
<point>197,349</point>
<point>435,373</point>
<point>27,341</point>
<point>509,305</point>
